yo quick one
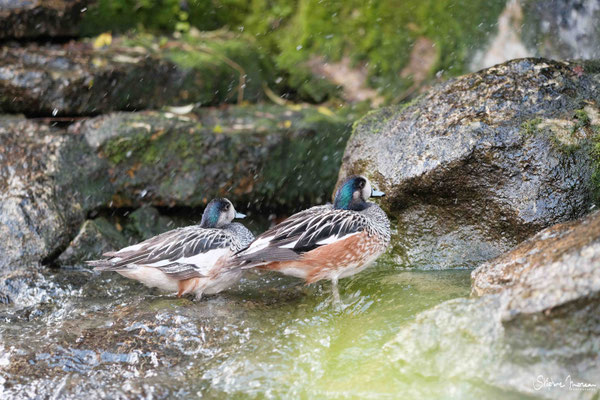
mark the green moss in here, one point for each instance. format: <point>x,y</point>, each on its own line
<point>379,35</point>
<point>162,15</point>
<point>582,119</point>
<point>214,66</point>
<point>529,128</point>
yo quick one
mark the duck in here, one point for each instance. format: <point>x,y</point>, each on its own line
<point>331,241</point>
<point>188,260</point>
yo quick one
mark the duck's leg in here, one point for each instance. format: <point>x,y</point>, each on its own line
<point>336,292</point>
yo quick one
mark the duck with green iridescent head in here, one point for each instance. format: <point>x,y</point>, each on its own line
<point>332,241</point>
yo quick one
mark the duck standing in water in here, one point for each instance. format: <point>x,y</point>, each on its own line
<point>186,260</point>
<point>324,242</point>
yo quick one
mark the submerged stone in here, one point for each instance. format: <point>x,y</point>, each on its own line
<point>78,78</point>
<point>40,18</point>
<point>503,152</point>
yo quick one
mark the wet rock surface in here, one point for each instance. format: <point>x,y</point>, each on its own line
<point>79,78</point>
<point>476,353</point>
<point>40,18</point>
<point>507,150</point>
<point>549,288</point>
<point>562,254</point>
<point>95,237</point>
<point>259,156</point>
<point>47,184</point>
<point>535,330</point>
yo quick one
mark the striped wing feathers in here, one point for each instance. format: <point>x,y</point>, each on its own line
<point>181,253</point>
<point>301,233</point>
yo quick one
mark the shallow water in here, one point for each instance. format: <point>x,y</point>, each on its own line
<point>269,337</point>
<point>102,336</point>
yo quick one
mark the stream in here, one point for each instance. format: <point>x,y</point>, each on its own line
<point>107,337</point>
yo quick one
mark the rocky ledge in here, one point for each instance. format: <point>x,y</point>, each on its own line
<point>40,18</point>
<point>481,162</point>
<point>51,178</point>
<point>93,77</point>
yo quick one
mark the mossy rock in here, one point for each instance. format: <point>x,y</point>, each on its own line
<point>259,156</point>
<point>131,73</point>
<point>500,153</point>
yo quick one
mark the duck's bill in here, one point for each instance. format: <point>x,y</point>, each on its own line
<point>240,215</point>
<point>377,193</point>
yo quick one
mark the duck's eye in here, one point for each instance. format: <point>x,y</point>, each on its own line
<point>226,207</point>
<point>361,184</point>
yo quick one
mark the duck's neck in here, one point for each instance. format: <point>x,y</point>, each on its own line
<point>353,204</point>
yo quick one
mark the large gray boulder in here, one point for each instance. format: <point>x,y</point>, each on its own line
<point>481,162</point>
<point>259,156</point>
<point>78,78</point>
<point>49,180</point>
<point>40,18</point>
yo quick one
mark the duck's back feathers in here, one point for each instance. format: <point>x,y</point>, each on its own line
<point>301,233</point>
<point>181,253</point>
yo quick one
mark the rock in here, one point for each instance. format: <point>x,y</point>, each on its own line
<point>537,317</point>
<point>539,28</point>
<point>79,79</point>
<point>550,291</point>
<point>95,237</point>
<point>48,182</point>
<point>495,155</point>
<point>464,345</point>
<point>146,222</point>
<point>259,157</point>
<point>40,18</point>
<point>561,260</point>
<point>27,288</point>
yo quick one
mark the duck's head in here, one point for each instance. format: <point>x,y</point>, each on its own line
<point>353,193</point>
<point>219,212</point>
